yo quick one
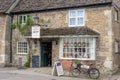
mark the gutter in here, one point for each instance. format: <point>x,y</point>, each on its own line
<point>11,21</point>
<point>11,56</point>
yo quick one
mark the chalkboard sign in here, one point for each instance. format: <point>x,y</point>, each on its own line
<point>35,61</point>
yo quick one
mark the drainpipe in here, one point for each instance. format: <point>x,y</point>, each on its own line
<point>11,21</point>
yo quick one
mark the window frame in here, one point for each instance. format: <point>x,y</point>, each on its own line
<point>22,21</point>
<point>22,47</point>
<point>93,55</point>
<point>116,46</point>
<point>76,17</point>
<point>116,15</point>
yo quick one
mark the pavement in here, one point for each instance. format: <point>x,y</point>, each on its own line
<point>47,72</point>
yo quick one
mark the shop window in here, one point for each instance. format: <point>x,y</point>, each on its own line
<point>22,47</point>
<point>77,48</point>
<point>76,17</point>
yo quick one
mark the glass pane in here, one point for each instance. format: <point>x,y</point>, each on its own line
<point>80,21</point>
<point>25,45</point>
<point>72,13</point>
<point>80,13</point>
<point>72,21</point>
<point>20,19</point>
<point>22,47</point>
<point>24,19</point>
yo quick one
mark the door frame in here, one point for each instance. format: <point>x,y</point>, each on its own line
<point>41,42</point>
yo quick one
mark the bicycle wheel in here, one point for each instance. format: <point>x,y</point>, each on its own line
<point>94,73</point>
<point>75,72</point>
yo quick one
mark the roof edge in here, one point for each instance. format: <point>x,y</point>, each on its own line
<point>12,6</point>
<point>33,11</point>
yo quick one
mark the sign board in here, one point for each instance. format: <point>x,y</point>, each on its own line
<point>35,31</point>
<point>35,61</point>
<point>57,69</point>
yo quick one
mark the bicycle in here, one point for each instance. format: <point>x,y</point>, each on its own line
<point>93,72</point>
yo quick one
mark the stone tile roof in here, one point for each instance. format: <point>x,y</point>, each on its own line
<point>64,31</point>
<point>35,5</point>
<point>5,5</point>
<point>117,2</point>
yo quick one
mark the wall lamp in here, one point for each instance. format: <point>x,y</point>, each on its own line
<point>36,19</point>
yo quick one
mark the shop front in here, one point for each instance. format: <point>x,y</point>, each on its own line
<point>67,44</point>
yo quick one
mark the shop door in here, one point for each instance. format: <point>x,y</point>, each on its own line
<point>46,54</point>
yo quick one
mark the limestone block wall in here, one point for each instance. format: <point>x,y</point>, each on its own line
<point>7,40</point>
<point>16,36</point>
<point>116,37</point>
<point>55,52</point>
<point>2,39</point>
<point>31,48</point>
<point>99,19</point>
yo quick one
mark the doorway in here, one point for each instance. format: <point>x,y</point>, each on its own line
<point>46,54</point>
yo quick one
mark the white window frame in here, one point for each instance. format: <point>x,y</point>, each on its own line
<point>93,49</point>
<point>22,20</point>
<point>76,17</point>
<point>22,47</point>
<point>116,46</point>
<point>116,15</point>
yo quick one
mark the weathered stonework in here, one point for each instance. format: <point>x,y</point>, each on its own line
<point>116,37</point>
<point>4,42</point>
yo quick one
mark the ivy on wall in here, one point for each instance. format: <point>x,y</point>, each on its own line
<point>22,27</point>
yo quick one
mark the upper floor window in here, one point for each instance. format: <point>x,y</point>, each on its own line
<point>116,15</point>
<point>22,19</point>
<point>22,47</point>
<point>76,17</point>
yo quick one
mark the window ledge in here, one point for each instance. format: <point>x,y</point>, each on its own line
<point>76,59</point>
<point>117,21</point>
<point>22,53</point>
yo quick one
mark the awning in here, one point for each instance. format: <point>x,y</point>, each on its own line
<point>66,31</point>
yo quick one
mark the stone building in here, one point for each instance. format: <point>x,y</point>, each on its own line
<point>86,30</point>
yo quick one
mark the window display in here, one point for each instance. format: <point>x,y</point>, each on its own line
<point>82,48</point>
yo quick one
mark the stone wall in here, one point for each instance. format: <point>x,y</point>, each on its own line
<point>2,39</point>
<point>116,37</point>
<point>100,20</point>
<point>31,48</point>
<point>7,40</point>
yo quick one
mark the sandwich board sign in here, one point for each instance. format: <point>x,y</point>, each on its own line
<point>57,69</point>
<point>35,31</point>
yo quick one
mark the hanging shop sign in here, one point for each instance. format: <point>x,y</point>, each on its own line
<point>35,31</point>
